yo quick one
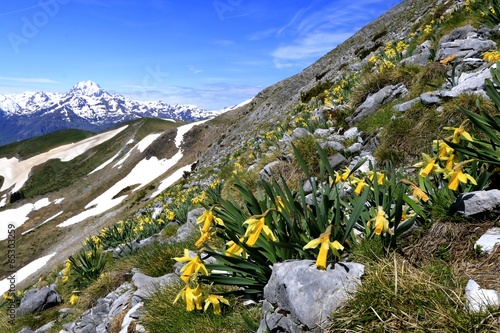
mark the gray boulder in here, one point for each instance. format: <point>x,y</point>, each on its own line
<point>337,161</point>
<point>335,145</point>
<point>267,171</point>
<point>469,82</point>
<point>375,101</point>
<point>189,228</point>
<point>477,202</point>
<point>421,55</point>
<point>320,113</point>
<point>36,300</point>
<point>429,99</point>
<point>147,285</point>
<point>406,105</point>
<point>300,132</point>
<point>302,298</point>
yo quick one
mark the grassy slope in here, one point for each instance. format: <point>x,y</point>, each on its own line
<point>397,296</point>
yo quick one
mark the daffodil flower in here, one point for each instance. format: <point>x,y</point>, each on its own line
<point>215,300</point>
<point>254,229</point>
<point>206,219</point>
<point>380,177</point>
<point>381,222</point>
<point>457,176</point>
<point>205,236</point>
<point>193,266</point>
<point>73,299</point>
<point>417,191</point>
<point>192,296</point>
<point>360,184</point>
<point>324,241</point>
<point>459,132</point>
<point>342,177</point>
<point>444,151</point>
<point>234,249</point>
<point>428,165</point>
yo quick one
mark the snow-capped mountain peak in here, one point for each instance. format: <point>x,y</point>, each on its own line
<point>87,88</point>
<point>85,106</point>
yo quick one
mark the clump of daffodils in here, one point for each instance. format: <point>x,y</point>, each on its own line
<point>445,162</point>
<point>196,296</point>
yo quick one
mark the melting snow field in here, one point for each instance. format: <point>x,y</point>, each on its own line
<point>19,216</point>
<point>16,172</point>
<point>144,172</point>
<point>25,272</point>
<point>47,220</point>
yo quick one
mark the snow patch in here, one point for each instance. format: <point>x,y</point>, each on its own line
<point>25,272</point>
<point>147,141</point>
<point>102,166</point>
<point>47,220</point>
<point>17,172</point>
<point>19,216</point>
<point>143,173</point>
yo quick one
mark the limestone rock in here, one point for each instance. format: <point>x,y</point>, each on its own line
<point>147,285</point>
<point>303,297</point>
<point>337,161</point>
<point>479,299</point>
<point>477,202</point>
<point>36,300</point>
<point>267,172</point>
<point>406,105</point>
<point>375,101</point>
<point>189,228</point>
<point>489,240</point>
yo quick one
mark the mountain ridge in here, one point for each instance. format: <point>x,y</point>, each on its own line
<point>85,106</point>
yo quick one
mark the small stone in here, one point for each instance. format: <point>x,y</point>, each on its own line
<point>489,240</point>
<point>478,299</point>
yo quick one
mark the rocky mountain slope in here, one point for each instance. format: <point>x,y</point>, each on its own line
<point>86,106</point>
<point>416,284</point>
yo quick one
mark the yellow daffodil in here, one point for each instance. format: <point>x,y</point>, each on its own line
<point>205,236</point>
<point>373,59</point>
<point>342,177</point>
<point>206,219</point>
<point>380,177</point>
<point>493,56</point>
<point>234,249</point>
<point>324,241</point>
<point>254,229</point>
<point>193,266</point>
<point>457,176</point>
<point>360,184</point>
<point>428,165</point>
<point>215,300</point>
<point>192,296</point>
<point>459,132</point>
<point>73,299</point>
<point>381,222</point>
<point>280,205</point>
<point>417,191</point>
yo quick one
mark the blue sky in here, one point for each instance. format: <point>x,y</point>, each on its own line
<point>211,53</point>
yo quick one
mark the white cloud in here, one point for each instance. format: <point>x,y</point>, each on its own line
<point>310,35</point>
<point>29,80</point>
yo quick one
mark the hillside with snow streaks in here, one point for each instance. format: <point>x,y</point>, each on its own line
<point>16,172</point>
<point>143,173</point>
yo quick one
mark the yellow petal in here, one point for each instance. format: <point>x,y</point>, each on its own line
<point>312,244</point>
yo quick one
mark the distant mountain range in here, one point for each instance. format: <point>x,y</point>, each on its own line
<point>86,106</point>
